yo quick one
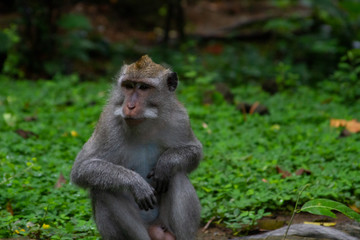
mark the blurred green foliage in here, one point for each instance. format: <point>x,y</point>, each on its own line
<point>237,182</point>
<point>311,45</point>
<point>346,79</point>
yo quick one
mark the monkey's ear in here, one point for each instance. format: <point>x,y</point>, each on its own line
<point>172,81</point>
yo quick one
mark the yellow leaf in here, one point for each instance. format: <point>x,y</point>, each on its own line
<point>325,224</point>
<point>275,127</point>
<point>74,133</point>
<point>45,226</point>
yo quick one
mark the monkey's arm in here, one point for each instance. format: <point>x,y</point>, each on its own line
<point>181,159</point>
<point>100,174</point>
<point>97,173</point>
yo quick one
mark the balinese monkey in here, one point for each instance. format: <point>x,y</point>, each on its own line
<point>136,162</point>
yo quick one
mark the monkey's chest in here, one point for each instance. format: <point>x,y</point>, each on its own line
<point>144,159</point>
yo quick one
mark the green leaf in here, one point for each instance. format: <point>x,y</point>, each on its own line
<point>190,74</point>
<point>10,119</point>
<point>74,21</point>
<point>325,207</point>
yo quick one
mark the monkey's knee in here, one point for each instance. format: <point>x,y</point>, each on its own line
<point>180,208</point>
<point>108,230</point>
<point>156,232</point>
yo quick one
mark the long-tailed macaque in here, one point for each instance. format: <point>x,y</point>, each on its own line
<point>136,162</point>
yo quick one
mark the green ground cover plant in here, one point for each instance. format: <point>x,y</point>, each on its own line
<point>43,125</point>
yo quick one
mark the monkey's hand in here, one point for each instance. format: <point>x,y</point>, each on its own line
<point>144,194</point>
<point>161,179</point>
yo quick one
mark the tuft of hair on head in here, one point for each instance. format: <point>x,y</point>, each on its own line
<point>143,62</point>
<point>145,67</point>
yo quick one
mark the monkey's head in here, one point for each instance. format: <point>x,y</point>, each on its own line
<point>144,88</point>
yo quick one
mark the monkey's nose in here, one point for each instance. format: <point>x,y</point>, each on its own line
<point>131,106</point>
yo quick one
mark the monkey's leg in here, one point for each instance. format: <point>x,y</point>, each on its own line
<point>117,217</point>
<point>180,208</point>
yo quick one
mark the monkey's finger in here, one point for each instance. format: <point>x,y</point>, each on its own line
<point>149,203</point>
<point>153,199</point>
<point>144,205</point>
<point>139,204</point>
<point>151,174</point>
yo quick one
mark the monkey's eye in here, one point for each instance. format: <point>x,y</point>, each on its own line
<point>144,86</point>
<point>128,85</point>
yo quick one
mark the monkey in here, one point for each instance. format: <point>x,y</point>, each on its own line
<point>136,162</point>
<point>305,230</point>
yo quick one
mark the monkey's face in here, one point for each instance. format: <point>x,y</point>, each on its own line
<point>145,89</point>
<point>139,101</point>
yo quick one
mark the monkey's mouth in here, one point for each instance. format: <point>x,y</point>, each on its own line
<point>132,122</point>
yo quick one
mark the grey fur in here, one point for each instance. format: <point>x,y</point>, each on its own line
<point>115,162</point>
<point>306,230</point>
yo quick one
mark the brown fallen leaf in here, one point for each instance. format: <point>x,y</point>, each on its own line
<point>355,208</point>
<point>302,171</point>
<point>60,182</point>
<point>25,134</point>
<point>30,119</point>
<point>214,49</point>
<point>247,108</point>
<point>9,208</point>
<point>345,133</point>
<point>352,126</point>
<point>284,173</point>
<point>338,122</point>
<point>253,107</point>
